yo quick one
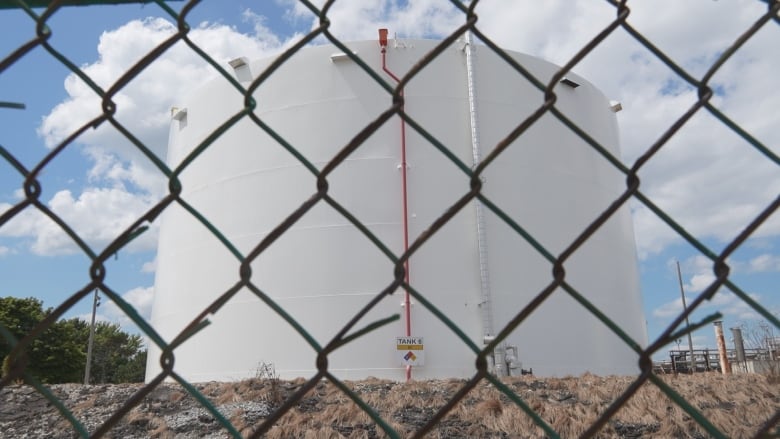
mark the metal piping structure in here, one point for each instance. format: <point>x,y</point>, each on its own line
<point>404,190</point>
<point>691,360</point>
<point>486,306</point>
<point>739,347</point>
<point>725,367</point>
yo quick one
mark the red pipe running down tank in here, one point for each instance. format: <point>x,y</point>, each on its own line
<point>407,301</point>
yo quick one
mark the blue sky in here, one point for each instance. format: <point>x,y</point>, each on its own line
<point>708,178</point>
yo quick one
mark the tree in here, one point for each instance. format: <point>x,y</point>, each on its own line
<point>53,356</point>
<point>18,316</point>
<point>116,355</point>
<point>58,354</point>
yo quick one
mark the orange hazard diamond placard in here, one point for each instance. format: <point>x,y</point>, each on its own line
<point>410,350</point>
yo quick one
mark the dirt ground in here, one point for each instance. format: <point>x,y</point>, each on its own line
<point>740,406</point>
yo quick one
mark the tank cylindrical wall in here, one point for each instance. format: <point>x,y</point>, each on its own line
<point>323,269</point>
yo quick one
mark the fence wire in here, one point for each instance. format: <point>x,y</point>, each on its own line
<point>32,191</point>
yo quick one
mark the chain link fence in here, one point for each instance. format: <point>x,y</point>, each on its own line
<point>633,190</point>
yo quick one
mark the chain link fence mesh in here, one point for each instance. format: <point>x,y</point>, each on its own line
<point>633,190</point>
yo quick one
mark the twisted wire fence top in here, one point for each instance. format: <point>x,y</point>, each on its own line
<point>108,101</point>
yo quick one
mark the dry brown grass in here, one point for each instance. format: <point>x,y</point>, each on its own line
<point>490,408</point>
<point>177,396</point>
<point>228,395</point>
<point>738,405</point>
<point>85,404</point>
<point>137,415</point>
<point>159,429</point>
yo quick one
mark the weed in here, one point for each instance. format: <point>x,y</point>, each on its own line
<point>267,373</point>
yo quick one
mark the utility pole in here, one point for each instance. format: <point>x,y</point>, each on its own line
<point>95,302</point>
<point>687,325</point>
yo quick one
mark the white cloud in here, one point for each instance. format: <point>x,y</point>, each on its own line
<point>728,304</point>
<point>360,19</point>
<point>263,34</point>
<point>4,250</point>
<point>699,269</point>
<point>699,282</point>
<point>669,309</point>
<point>764,263</point>
<point>149,267</point>
<point>697,276</point>
<point>124,184</point>
<point>700,274</point>
<point>140,298</point>
<point>143,105</point>
<point>740,310</point>
<point>707,178</point>
<point>97,215</point>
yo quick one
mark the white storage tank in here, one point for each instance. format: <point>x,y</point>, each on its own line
<point>476,269</point>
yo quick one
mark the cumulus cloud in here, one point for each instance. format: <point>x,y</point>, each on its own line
<point>97,216</point>
<point>709,179</point>
<point>122,182</point>
<point>149,267</point>
<point>143,106</point>
<point>764,263</point>
<point>139,298</point>
<point>699,268</point>
<point>725,302</point>
<point>697,276</point>
<point>699,271</point>
<point>669,309</point>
